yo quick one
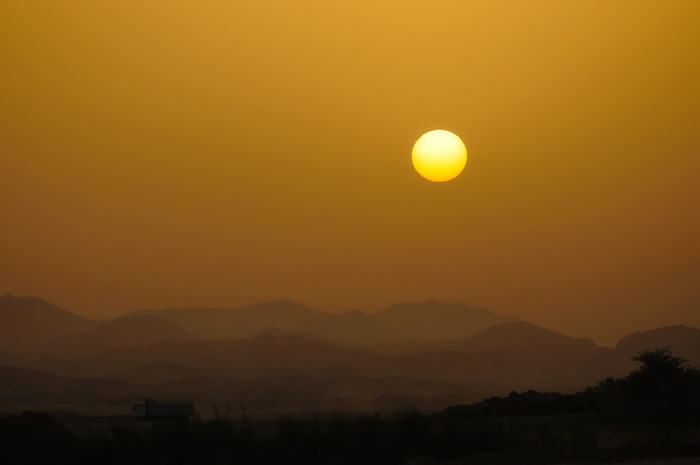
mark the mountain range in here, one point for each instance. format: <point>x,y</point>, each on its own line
<point>25,321</point>
<point>285,356</point>
<point>230,324</point>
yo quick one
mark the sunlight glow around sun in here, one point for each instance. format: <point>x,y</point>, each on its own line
<point>439,155</point>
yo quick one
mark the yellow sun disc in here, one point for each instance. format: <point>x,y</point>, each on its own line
<point>439,155</point>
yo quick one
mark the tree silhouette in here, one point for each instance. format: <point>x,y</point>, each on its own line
<point>664,387</point>
<point>660,362</point>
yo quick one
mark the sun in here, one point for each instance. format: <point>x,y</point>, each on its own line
<point>439,155</point>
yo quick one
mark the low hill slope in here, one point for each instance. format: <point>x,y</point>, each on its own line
<point>684,341</point>
<point>122,332</point>
<point>520,355</point>
<point>23,386</point>
<point>522,335</point>
<point>258,356</point>
<point>26,321</point>
<point>229,324</point>
<point>437,321</point>
<point>352,327</point>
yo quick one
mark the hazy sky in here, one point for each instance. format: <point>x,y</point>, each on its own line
<point>222,153</point>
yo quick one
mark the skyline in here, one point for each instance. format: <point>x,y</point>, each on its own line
<point>170,155</point>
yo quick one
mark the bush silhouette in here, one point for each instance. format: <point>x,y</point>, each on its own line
<point>664,387</point>
<point>660,362</point>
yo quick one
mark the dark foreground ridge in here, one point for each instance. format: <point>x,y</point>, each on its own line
<point>652,412</point>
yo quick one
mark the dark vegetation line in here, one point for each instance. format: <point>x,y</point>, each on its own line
<point>653,411</point>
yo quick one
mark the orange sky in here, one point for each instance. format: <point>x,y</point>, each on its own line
<point>221,153</point>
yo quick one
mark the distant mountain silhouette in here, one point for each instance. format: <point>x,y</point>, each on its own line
<point>122,332</point>
<point>263,355</point>
<point>276,332</point>
<point>229,324</point>
<point>684,341</point>
<point>543,358</point>
<point>23,386</point>
<point>282,355</point>
<point>293,374</point>
<point>520,355</point>
<point>436,321</point>
<point>26,321</point>
<point>352,327</point>
<point>334,387</point>
<point>157,372</point>
<point>8,358</point>
<point>518,335</point>
<point>60,367</point>
<point>190,353</point>
<point>266,355</point>
<point>542,366</point>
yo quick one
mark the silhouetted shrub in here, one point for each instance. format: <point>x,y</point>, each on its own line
<point>664,387</point>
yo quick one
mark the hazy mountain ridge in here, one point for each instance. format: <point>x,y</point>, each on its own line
<point>263,355</point>
<point>26,314</point>
<point>437,321</point>
<point>219,323</point>
<point>136,331</point>
<point>520,335</point>
<point>326,359</point>
<point>25,321</point>
<point>516,335</point>
<point>270,356</point>
<point>21,385</point>
<point>352,327</point>
<point>60,367</point>
<point>682,340</point>
<point>157,372</point>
